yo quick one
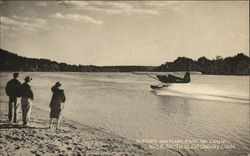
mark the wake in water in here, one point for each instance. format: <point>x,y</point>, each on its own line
<point>202,92</point>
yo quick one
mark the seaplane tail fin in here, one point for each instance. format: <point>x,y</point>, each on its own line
<point>187,77</point>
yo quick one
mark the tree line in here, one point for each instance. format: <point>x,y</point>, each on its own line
<point>12,62</point>
<point>236,65</point>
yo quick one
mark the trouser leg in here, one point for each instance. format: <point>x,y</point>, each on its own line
<point>23,113</point>
<point>26,109</point>
<point>16,104</point>
<point>12,100</point>
<point>10,110</point>
<point>24,102</point>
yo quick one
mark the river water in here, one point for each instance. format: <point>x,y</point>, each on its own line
<point>211,108</point>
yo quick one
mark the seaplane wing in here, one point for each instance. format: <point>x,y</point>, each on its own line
<point>166,77</point>
<point>179,73</point>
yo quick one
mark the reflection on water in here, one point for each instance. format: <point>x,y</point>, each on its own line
<point>123,103</point>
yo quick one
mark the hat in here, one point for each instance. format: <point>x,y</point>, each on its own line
<point>27,79</point>
<point>58,84</point>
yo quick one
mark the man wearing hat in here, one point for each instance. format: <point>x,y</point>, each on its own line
<point>12,90</point>
<point>27,96</point>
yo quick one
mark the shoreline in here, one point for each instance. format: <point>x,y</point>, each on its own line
<point>153,72</point>
<point>73,138</point>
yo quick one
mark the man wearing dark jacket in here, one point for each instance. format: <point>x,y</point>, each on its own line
<point>27,96</point>
<point>12,90</point>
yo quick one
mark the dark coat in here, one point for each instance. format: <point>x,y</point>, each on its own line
<point>12,88</point>
<point>58,97</point>
<point>25,91</point>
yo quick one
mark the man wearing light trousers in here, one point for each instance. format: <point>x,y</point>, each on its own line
<point>26,100</point>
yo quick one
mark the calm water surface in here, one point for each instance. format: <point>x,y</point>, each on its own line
<point>210,107</point>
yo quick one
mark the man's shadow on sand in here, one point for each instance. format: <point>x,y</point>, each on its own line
<point>16,126</point>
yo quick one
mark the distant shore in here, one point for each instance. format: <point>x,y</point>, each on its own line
<point>72,139</point>
<point>236,65</point>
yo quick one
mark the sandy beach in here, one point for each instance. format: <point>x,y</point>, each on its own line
<point>71,139</point>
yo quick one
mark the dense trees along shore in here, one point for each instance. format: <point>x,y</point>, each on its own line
<point>235,65</point>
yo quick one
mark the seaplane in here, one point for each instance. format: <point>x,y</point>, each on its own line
<point>166,79</point>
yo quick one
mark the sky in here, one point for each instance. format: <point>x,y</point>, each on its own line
<point>124,32</point>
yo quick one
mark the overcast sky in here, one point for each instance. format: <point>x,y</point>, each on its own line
<point>124,32</point>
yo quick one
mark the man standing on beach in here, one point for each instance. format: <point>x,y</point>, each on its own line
<point>27,96</point>
<point>12,90</point>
